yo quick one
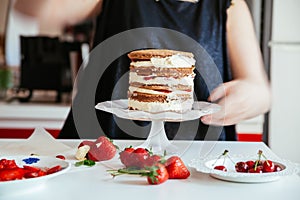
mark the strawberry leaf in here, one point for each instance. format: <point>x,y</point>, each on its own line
<point>89,163</point>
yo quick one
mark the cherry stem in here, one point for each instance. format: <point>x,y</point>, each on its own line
<point>257,161</point>
<point>219,157</point>
<point>266,159</point>
<point>225,152</point>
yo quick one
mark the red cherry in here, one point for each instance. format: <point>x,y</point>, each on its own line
<point>241,167</point>
<point>258,169</point>
<point>268,166</point>
<point>250,164</point>
<point>221,167</point>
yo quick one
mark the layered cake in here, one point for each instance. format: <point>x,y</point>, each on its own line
<point>161,80</point>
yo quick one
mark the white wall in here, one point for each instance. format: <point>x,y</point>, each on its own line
<point>284,136</point>
<point>18,24</point>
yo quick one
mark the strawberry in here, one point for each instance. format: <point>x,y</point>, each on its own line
<point>11,174</point>
<point>33,172</point>
<point>176,168</point>
<point>158,174</point>
<point>62,157</point>
<point>153,160</point>
<point>53,169</point>
<point>138,157</point>
<point>104,149</point>
<point>125,156</point>
<point>28,168</point>
<point>8,164</point>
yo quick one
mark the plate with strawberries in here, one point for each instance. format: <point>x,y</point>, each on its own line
<point>244,168</point>
<point>20,174</point>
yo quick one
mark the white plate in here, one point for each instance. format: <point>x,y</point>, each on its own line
<point>120,108</point>
<point>207,166</point>
<point>25,185</point>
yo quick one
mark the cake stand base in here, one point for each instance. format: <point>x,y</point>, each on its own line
<point>157,140</point>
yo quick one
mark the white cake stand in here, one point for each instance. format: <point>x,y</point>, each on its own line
<point>157,139</point>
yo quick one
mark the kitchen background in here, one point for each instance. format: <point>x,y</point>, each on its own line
<point>47,102</point>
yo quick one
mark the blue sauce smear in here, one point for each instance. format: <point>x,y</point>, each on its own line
<point>30,160</point>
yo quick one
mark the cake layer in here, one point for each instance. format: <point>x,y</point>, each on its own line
<point>163,72</point>
<point>167,62</point>
<point>149,53</point>
<point>170,94</point>
<point>152,80</point>
<point>163,88</point>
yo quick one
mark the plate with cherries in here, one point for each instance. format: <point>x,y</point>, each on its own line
<point>245,169</point>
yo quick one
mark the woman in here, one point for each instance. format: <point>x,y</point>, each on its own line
<point>222,27</point>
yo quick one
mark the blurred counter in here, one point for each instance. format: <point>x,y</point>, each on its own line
<point>18,120</point>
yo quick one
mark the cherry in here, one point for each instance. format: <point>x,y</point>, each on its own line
<point>268,166</point>
<point>241,167</point>
<point>259,162</point>
<point>250,164</point>
<point>258,169</point>
<point>221,167</point>
<point>224,155</point>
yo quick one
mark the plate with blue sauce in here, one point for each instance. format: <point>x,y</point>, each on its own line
<point>21,174</point>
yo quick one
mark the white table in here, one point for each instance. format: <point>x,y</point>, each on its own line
<point>96,183</point>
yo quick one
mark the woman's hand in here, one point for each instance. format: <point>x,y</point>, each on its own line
<point>239,100</point>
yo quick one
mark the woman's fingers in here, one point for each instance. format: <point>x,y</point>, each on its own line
<point>217,93</point>
<point>235,101</point>
<point>221,91</point>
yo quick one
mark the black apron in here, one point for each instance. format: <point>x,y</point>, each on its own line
<point>204,22</point>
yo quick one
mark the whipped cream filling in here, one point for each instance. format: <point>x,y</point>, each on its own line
<point>174,61</point>
<point>170,95</point>
<point>170,81</point>
<point>155,107</point>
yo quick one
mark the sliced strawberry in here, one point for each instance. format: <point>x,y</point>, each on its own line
<point>104,149</point>
<point>53,169</point>
<point>62,157</point>
<point>11,174</point>
<point>31,168</point>
<point>8,164</point>
<point>32,171</point>
<point>176,168</point>
<point>31,174</point>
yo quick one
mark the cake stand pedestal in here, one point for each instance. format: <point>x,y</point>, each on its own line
<point>157,139</point>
